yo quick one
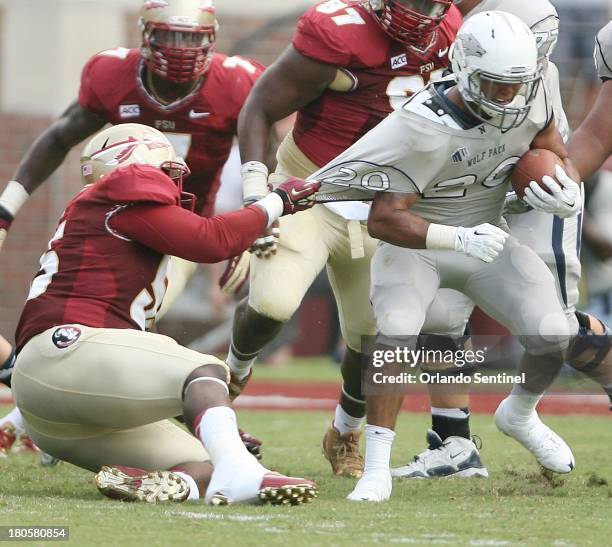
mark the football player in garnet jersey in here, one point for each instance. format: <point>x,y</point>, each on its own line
<point>175,82</point>
<point>350,63</point>
<point>93,385</point>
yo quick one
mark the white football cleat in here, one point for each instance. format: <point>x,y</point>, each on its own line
<point>249,482</point>
<point>372,486</point>
<point>453,457</point>
<point>549,449</point>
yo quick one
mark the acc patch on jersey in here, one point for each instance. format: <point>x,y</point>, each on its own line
<point>64,337</point>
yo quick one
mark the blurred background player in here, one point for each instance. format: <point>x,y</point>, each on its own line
<point>589,147</point>
<point>350,63</point>
<point>93,385</point>
<point>175,82</point>
<point>13,437</point>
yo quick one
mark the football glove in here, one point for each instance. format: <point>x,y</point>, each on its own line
<point>252,444</point>
<point>563,199</point>
<point>484,241</point>
<point>297,194</point>
<point>265,245</point>
<point>235,274</point>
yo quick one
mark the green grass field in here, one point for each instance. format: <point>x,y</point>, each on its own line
<point>516,506</point>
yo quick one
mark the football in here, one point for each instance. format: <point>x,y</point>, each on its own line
<point>533,165</point>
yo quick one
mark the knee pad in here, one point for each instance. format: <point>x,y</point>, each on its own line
<point>582,346</point>
<point>445,354</point>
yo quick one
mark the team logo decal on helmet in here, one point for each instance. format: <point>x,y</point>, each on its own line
<point>124,144</point>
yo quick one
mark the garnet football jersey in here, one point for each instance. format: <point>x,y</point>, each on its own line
<point>384,73</point>
<point>201,126</point>
<point>106,264</point>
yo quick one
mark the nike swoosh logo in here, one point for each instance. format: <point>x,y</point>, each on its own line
<point>453,456</point>
<point>295,194</point>
<point>442,52</point>
<point>195,115</point>
<point>479,234</point>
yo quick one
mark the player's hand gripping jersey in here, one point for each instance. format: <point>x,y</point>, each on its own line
<point>376,74</point>
<point>460,170</point>
<point>201,126</point>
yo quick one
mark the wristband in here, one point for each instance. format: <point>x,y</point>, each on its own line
<point>273,205</point>
<point>441,237</point>
<point>254,176</point>
<point>13,197</point>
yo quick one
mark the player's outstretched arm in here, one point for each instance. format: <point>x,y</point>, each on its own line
<point>45,156</point>
<point>291,82</point>
<point>171,230</point>
<point>591,144</point>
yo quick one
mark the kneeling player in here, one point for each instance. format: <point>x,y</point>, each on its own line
<point>94,387</point>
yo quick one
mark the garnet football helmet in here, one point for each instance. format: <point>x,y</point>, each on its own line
<point>410,22</point>
<point>128,143</point>
<point>495,50</point>
<point>178,37</point>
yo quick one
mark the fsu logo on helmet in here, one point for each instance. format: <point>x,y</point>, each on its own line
<point>65,336</point>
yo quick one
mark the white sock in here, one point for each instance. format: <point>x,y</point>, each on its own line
<point>345,423</point>
<point>240,367</point>
<point>218,432</point>
<point>194,491</point>
<point>16,419</point>
<point>454,413</point>
<point>379,441</point>
<point>521,404</point>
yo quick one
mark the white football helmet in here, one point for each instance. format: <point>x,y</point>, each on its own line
<point>494,49</point>
<point>124,144</point>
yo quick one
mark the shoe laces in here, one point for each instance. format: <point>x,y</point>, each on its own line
<point>347,447</point>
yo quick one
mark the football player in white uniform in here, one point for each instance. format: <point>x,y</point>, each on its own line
<point>556,240</point>
<point>442,163</point>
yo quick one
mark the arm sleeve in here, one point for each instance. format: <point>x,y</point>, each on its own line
<point>88,98</point>
<point>319,38</point>
<point>171,230</point>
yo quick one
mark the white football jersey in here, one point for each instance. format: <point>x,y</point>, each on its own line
<point>603,52</point>
<point>459,166</point>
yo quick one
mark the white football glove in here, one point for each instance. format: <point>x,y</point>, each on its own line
<point>484,241</point>
<point>564,199</point>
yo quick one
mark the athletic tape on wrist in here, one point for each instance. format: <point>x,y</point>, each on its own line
<point>273,205</point>
<point>13,197</point>
<point>254,176</point>
<point>441,237</point>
